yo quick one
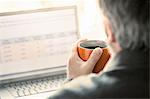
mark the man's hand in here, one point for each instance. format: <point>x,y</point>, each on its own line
<point>78,67</point>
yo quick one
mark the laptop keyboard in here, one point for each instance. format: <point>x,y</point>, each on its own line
<point>30,87</point>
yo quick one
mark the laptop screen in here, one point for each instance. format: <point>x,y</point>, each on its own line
<point>36,40</point>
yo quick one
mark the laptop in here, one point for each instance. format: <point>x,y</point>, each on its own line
<point>34,47</point>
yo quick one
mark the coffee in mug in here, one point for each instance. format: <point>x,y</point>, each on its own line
<point>85,48</point>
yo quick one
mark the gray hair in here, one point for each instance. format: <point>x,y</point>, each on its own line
<point>130,22</point>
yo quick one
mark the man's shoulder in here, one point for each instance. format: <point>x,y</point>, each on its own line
<point>107,85</point>
<point>86,86</point>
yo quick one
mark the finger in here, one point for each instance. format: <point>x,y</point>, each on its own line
<point>95,55</point>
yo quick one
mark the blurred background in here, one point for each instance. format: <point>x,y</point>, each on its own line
<point>89,18</point>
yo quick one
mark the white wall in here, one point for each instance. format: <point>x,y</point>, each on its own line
<point>91,22</point>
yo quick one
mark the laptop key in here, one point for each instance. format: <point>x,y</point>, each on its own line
<point>7,85</point>
<point>11,89</point>
<point>32,91</point>
<point>26,92</point>
<point>12,84</point>
<point>44,90</point>
<point>14,93</point>
<point>20,93</point>
<point>23,83</point>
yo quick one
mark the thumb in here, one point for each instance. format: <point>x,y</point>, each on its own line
<point>94,57</point>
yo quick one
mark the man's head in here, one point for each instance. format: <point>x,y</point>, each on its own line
<point>128,22</point>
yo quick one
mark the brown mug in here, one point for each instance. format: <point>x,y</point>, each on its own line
<point>85,48</point>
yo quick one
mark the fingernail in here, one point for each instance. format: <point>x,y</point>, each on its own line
<point>98,50</point>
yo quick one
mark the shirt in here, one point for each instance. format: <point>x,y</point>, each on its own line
<point>127,77</point>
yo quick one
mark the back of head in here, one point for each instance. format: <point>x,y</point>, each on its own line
<point>130,22</point>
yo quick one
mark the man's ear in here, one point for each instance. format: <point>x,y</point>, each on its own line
<point>111,39</point>
<point>108,30</point>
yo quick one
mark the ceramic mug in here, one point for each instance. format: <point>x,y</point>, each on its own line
<point>85,48</point>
